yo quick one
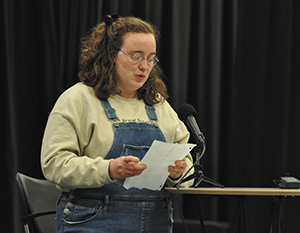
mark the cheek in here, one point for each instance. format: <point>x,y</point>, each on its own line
<point>122,68</point>
<point>124,72</point>
<point>120,71</point>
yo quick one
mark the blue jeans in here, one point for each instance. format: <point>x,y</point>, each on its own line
<point>113,214</point>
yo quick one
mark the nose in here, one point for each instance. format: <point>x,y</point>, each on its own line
<point>144,64</point>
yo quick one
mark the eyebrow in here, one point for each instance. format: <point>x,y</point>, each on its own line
<point>138,51</point>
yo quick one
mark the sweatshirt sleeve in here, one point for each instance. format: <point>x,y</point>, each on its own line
<point>62,161</point>
<point>67,133</point>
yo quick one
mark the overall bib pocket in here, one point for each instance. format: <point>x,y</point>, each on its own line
<point>137,151</point>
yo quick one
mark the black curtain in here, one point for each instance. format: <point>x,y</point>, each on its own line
<point>236,62</point>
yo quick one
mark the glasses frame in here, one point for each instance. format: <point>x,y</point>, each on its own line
<point>136,62</point>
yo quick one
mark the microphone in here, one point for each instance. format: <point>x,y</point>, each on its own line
<point>187,114</point>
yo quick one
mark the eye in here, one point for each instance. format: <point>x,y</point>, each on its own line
<point>152,60</point>
<point>137,57</point>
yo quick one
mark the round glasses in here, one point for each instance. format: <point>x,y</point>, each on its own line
<point>138,58</point>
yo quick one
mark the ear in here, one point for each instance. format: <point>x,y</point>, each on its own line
<point>116,57</point>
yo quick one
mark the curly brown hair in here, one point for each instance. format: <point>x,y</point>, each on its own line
<point>100,48</point>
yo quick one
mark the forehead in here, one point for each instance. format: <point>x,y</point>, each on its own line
<point>139,42</point>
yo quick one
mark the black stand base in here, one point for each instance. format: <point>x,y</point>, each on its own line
<point>200,177</point>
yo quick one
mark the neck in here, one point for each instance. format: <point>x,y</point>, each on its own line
<point>128,95</point>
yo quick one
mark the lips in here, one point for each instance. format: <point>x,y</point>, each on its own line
<point>140,76</point>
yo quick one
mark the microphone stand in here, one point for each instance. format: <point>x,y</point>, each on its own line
<point>198,174</point>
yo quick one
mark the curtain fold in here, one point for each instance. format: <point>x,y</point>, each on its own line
<point>236,62</point>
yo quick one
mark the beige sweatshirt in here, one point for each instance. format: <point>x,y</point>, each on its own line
<point>78,136</point>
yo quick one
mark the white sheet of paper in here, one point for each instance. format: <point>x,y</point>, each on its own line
<point>158,158</point>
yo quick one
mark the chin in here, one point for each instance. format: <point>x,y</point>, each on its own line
<point>139,85</point>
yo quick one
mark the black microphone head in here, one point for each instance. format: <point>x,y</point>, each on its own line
<point>185,110</point>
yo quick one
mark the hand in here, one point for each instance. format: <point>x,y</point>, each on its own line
<point>177,170</point>
<point>125,166</point>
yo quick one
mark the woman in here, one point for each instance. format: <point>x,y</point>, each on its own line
<point>100,129</point>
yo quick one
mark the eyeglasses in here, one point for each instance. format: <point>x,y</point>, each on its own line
<point>138,58</point>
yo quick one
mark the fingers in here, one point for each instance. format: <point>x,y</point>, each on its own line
<point>181,163</point>
<point>131,159</point>
<point>132,163</point>
<point>177,170</point>
<point>125,166</point>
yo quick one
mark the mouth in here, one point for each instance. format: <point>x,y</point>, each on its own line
<point>140,76</point>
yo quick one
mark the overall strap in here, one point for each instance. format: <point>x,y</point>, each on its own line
<point>151,112</point>
<point>110,112</point>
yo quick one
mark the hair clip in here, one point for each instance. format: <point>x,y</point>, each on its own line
<point>109,19</point>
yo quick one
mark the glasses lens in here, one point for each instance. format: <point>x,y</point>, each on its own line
<point>137,58</point>
<point>153,61</point>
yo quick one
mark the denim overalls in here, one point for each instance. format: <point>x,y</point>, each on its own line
<point>112,208</point>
